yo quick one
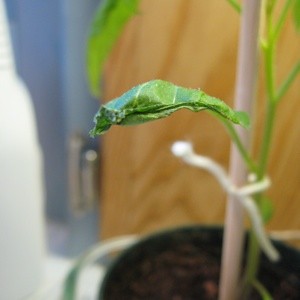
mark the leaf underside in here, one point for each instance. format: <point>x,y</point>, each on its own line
<point>158,99</point>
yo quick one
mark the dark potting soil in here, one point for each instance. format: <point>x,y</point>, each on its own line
<point>184,270</point>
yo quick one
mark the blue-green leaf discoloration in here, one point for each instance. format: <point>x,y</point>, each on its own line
<point>158,99</point>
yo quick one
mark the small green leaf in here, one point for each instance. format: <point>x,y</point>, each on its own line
<point>107,25</point>
<point>267,209</point>
<point>158,99</point>
<point>296,13</point>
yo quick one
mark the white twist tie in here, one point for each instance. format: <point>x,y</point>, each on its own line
<point>185,151</point>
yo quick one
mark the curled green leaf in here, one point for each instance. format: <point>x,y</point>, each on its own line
<point>158,99</point>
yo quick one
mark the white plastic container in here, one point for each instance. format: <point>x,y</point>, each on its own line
<point>21,182</point>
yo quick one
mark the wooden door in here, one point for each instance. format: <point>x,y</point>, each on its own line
<point>191,43</point>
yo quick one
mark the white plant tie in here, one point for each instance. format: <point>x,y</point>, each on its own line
<point>185,151</point>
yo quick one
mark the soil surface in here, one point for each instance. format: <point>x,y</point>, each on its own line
<point>181,268</point>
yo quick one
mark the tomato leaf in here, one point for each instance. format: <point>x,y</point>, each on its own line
<point>158,99</point>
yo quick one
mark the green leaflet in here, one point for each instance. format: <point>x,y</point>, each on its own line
<point>157,99</point>
<point>106,26</point>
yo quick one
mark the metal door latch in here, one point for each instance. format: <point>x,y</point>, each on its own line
<point>83,173</point>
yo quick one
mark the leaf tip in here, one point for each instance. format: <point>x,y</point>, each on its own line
<point>243,119</point>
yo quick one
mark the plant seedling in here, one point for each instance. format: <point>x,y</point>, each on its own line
<point>158,99</point>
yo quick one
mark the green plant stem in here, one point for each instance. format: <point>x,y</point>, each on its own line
<point>266,142</point>
<point>252,264</point>
<point>242,150</point>
<point>281,20</point>
<point>253,255</point>
<point>288,82</point>
<point>269,53</point>
<point>269,70</point>
<point>270,7</point>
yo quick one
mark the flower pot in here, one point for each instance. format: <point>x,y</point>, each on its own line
<point>184,263</point>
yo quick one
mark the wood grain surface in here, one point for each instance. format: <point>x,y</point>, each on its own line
<point>191,43</point>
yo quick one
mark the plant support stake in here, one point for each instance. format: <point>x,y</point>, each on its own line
<point>244,97</point>
<point>243,194</point>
